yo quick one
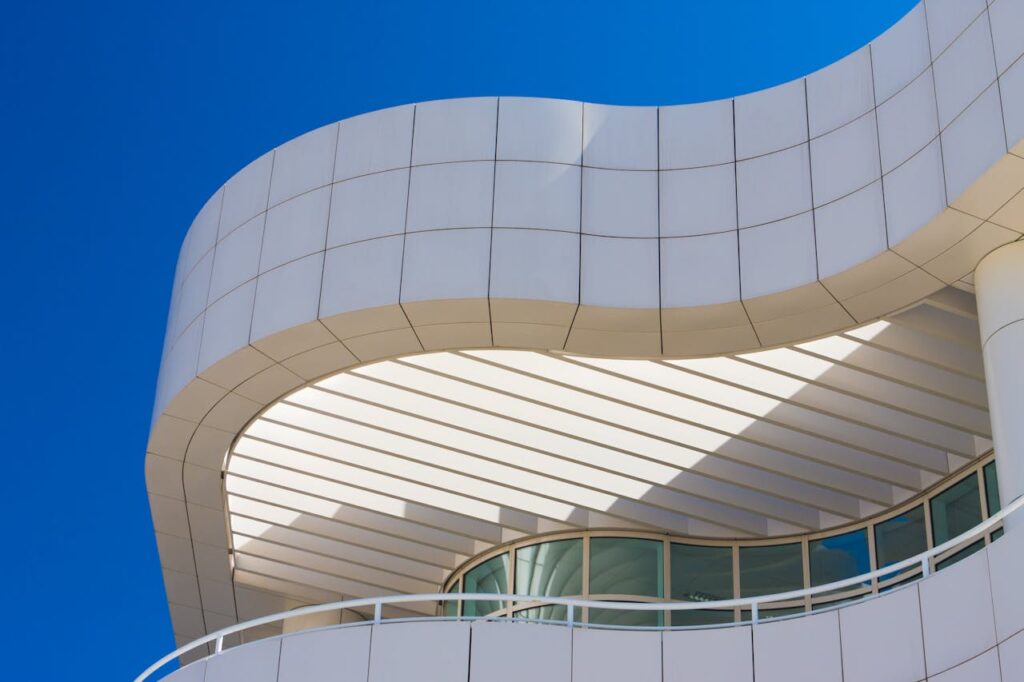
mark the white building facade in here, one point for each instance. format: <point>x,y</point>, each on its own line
<point>717,355</point>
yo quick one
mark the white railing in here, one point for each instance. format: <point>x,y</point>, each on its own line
<point>924,560</point>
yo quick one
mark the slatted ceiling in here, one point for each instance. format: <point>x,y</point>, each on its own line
<point>388,476</point>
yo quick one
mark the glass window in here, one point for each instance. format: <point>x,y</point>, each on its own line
<point>490,576</point>
<point>839,557</point>
<point>991,489</point>
<point>626,618</point>
<point>627,566</point>
<point>955,510</point>
<point>550,569</point>
<point>962,554</point>
<point>451,608</point>
<point>557,612</point>
<point>771,569</point>
<point>900,537</point>
<point>700,574</point>
<point>702,617</point>
<point>768,614</point>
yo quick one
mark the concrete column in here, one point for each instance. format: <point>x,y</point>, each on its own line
<point>999,282</point>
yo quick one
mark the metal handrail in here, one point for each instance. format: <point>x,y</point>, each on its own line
<point>753,603</point>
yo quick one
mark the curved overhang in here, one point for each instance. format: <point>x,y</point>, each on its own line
<point>660,234</point>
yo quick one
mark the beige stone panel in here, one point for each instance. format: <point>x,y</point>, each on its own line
<point>941,234</point>
<point>813,323</point>
<point>182,588</point>
<point>194,401</point>
<point>709,341</point>
<point>1011,215</point>
<point>532,336</point>
<point>633,320</point>
<point>788,303</point>
<point>456,335</point>
<point>203,486</point>
<point>369,321</point>
<point>900,292</point>
<point>962,258</point>
<point>212,563</point>
<point>993,189</point>
<point>384,344</point>
<point>710,317</point>
<point>217,597</point>
<point>321,361</point>
<point>163,476</point>
<point>208,525</point>
<point>236,368</point>
<point>555,313</point>
<point>176,553</point>
<point>885,267</point>
<point>614,343</point>
<point>293,341</point>
<point>169,515</point>
<point>232,413</point>
<point>269,385</point>
<point>448,311</point>
<point>209,447</point>
<point>170,437</point>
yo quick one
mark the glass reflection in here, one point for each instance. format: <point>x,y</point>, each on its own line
<point>770,569</point>
<point>700,573</point>
<point>991,489</point>
<point>550,569</point>
<point>627,566</point>
<point>900,537</point>
<point>490,576</point>
<point>955,510</point>
<point>839,557</point>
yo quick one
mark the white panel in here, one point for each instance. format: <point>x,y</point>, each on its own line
<point>246,194</point>
<point>227,325</point>
<point>455,130</point>
<point>451,195</point>
<point>287,296</point>
<point>1007,17</point>
<point>850,231</point>
<point>695,135</point>
<point>446,264</point>
<point>956,610</point>
<point>948,18</point>
<point>194,672</point>
<point>202,234</point>
<point>774,186</point>
<point>805,648</point>
<point>1006,556</point>
<point>698,201</point>
<point>380,140</point>
<point>907,122</point>
<point>770,120</point>
<point>963,71</point>
<point>620,137</point>
<point>845,160</point>
<point>620,203</point>
<point>715,654</point>
<point>363,275</point>
<point>537,195</point>
<point>255,662</point>
<point>305,163</point>
<point>1012,89</point>
<point>616,655</point>
<point>179,367</point>
<point>547,652</point>
<point>192,297</point>
<point>619,272</point>
<point>295,228</point>
<point>984,668</point>
<point>431,652</point>
<point>368,207</point>
<point>914,194</point>
<point>237,258</point>
<point>882,639</point>
<point>699,270</point>
<point>972,143</point>
<point>1011,658</point>
<point>900,54</point>
<point>840,92</point>
<point>339,654</point>
<point>535,264</point>
<point>540,130</point>
<point>777,256</point>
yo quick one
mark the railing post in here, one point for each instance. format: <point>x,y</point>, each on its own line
<point>569,615</point>
<point>926,567</point>
<point>219,645</point>
<point>753,613</point>
<point>376,612</point>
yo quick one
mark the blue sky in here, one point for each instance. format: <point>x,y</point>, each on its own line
<point>120,118</point>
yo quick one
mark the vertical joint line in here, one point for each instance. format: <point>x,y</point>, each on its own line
<point>810,177</point>
<point>405,229</point>
<point>657,179</point>
<point>878,143</point>
<point>935,98</point>
<point>494,190</point>
<point>999,85</point>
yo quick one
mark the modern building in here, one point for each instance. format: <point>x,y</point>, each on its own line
<point>660,372</point>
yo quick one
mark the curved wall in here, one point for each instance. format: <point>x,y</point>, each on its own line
<point>710,228</point>
<point>963,624</point>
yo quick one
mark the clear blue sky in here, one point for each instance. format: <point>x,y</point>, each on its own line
<point>120,118</point>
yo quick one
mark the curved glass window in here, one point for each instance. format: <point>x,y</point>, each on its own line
<point>900,537</point>
<point>956,510</point>
<point>627,566</point>
<point>991,489</point>
<point>701,573</point>
<point>490,576</point>
<point>839,557</point>
<point>768,569</point>
<point>550,569</point>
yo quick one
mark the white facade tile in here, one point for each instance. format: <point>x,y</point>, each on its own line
<point>455,130</point>
<point>964,71</point>
<point>713,654</point>
<point>850,231</point>
<point>246,194</point>
<point>845,160</point>
<point>193,296</point>
<point>1011,658</point>
<point>699,270</point>
<point>1007,17</point>
<point>549,647</point>
<point>237,258</point>
<point>613,656</point>
<point>254,662</point>
<point>972,143</point>
<point>446,264</point>
<point>698,200</point>
<point>774,186</point>
<point>305,163</point>
<point>535,264</point>
<point>949,18</point>
<point>373,142</point>
<point>882,639</point>
<point>342,654</point>
<point>907,122</point>
<point>540,130</point>
<point>694,135</point>
<point>804,648</point>
<point>537,195</point>
<point>1011,87</point>
<point>914,193</point>
<point>419,651</point>
<point>368,207</point>
<point>984,668</point>
<point>839,93</point>
<point>620,137</point>
<point>777,256</point>
<point>296,228</point>
<point>451,195</point>
<point>202,235</point>
<point>226,328</point>
<point>620,203</point>
<point>900,54</point>
<point>619,272</point>
<point>770,120</point>
<point>1005,559</point>
<point>361,275</point>
<point>287,296</point>
<point>179,366</point>
<point>194,672</point>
